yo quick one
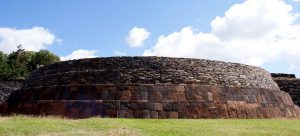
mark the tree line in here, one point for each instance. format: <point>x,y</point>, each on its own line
<point>20,63</point>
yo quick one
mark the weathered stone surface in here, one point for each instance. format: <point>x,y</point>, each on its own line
<point>8,87</point>
<point>157,106</point>
<point>151,87</point>
<point>290,84</point>
<point>94,105</point>
<point>151,70</point>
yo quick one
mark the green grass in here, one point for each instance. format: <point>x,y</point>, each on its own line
<point>51,126</point>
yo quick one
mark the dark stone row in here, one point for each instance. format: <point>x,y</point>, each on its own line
<point>290,84</point>
<point>161,92</point>
<point>292,87</point>
<point>152,101</point>
<point>283,75</point>
<point>142,109</point>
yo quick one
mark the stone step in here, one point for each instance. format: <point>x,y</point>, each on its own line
<point>146,109</point>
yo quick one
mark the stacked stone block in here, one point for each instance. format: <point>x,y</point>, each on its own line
<point>151,87</point>
<point>8,87</point>
<point>290,84</point>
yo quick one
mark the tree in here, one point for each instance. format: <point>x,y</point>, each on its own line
<point>2,57</point>
<point>5,71</point>
<point>20,63</point>
<point>43,57</point>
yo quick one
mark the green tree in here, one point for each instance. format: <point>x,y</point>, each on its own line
<point>41,58</point>
<point>5,71</point>
<point>20,63</point>
<point>2,57</point>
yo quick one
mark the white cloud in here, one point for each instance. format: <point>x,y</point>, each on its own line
<point>33,39</point>
<point>253,32</point>
<point>120,53</point>
<point>185,43</point>
<point>296,0</point>
<point>137,36</point>
<point>253,19</point>
<point>79,54</point>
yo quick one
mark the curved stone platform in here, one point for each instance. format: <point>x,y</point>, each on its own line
<point>151,87</point>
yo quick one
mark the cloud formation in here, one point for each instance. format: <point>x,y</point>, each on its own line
<point>253,32</point>
<point>79,54</point>
<point>33,39</point>
<point>137,36</point>
<point>120,53</point>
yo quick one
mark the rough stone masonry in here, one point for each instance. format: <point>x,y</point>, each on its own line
<point>7,88</point>
<point>290,84</point>
<point>151,87</point>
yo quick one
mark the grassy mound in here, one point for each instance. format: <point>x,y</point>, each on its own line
<point>51,126</point>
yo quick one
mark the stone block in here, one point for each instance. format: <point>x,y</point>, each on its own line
<point>259,113</point>
<point>182,106</point>
<point>112,113</point>
<point>149,106</point>
<point>161,114</point>
<point>155,95</point>
<point>277,112</point>
<point>172,115</point>
<point>109,106</point>
<point>136,95</point>
<point>193,94</point>
<point>192,112</point>
<point>232,110</point>
<point>154,114</point>
<point>175,106</point>
<point>170,95</point>
<point>288,113</point>
<point>204,113</point>
<point>123,106</point>
<point>215,113</point>
<point>246,98</point>
<point>134,106</point>
<point>250,112</point>
<point>144,95</point>
<point>123,95</point>
<point>157,106</point>
<point>241,113</point>
<point>167,106</point>
<point>180,88</point>
<point>181,96</point>
<point>210,96</point>
<point>145,114</point>
<point>111,95</point>
<point>121,113</point>
<point>129,114</point>
<point>137,113</point>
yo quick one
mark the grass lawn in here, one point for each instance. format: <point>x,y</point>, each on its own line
<point>51,126</point>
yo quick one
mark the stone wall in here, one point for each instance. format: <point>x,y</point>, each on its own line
<point>151,87</point>
<point>153,101</point>
<point>151,70</point>
<point>8,87</point>
<point>290,84</point>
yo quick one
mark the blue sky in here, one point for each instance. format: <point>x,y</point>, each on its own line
<point>172,28</point>
<point>104,25</point>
